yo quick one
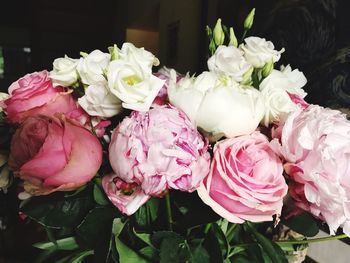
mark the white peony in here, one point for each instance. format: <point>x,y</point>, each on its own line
<point>91,68</point>
<point>229,61</point>
<point>274,90</point>
<point>258,51</point>
<point>134,86</point>
<point>64,71</point>
<point>217,105</point>
<point>98,101</point>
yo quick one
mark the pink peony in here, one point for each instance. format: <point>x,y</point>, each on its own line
<point>158,150</point>
<point>164,74</point>
<point>34,94</point>
<point>127,197</point>
<point>298,100</point>
<point>315,144</point>
<point>245,181</point>
<point>52,154</point>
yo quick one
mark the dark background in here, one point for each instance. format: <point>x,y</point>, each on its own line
<point>315,34</point>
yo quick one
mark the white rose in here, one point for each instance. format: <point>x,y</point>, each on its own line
<point>277,103</point>
<point>258,51</point>
<point>295,80</point>
<point>274,90</point>
<point>92,67</point>
<point>230,61</point>
<point>140,56</point>
<point>64,71</point>
<point>98,101</point>
<point>134,87</point>
<point>217,105</point>
<point>3,96</point>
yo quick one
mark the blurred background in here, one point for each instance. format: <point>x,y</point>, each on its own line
<point>315,34</point>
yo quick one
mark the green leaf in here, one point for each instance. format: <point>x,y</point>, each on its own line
<point>275,253</point>
<point>147,213</point>
<point>173,247</point>
<point>255,253</point>
<point>304,224</point>
<point>81,256</point>
<point>96,226</point>
<point>199,255</point>
<point>57,211</point>
<point>241,259</point>
<point>218,240</point>
<point>144,237</point>
<point>158,237</point>
<point>99,196</point>
<point>95,231</point>
<point>68,243</point>
<point>117,226</point>
<point>126,254</point>
<point>149,253</point>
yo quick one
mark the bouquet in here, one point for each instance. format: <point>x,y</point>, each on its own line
<point>121,164</point>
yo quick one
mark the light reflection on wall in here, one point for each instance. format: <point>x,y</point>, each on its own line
<point>144,38</point>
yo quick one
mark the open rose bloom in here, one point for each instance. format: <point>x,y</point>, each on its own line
<point>245,181</point>
<point>52,154</point>
<point>35,94</point>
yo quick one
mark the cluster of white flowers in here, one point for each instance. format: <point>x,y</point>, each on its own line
<point>121,78</point>
<point>241,89</point>
<point>224,101</point>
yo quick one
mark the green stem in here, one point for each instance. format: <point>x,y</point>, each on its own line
<point>312,240</point>
<point>243,36</point>
<point>168,210</point>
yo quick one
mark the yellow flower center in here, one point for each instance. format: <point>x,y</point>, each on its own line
<point>132,80</point>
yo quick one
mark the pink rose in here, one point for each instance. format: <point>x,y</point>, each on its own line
<point>127,197</point>
<point>315,144</point>
<point>245,180</point>
<point>158,150</point>
<point>34,94</point>
<point>52,154</point>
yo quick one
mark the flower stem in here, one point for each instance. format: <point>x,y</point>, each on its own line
<point>243,36</point>
<point>168,210</point>
<point>312,240</point>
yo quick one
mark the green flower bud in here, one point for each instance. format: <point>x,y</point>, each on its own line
<point>209,32</point>
<point>114,51</point>
<point>212,47</point>
<point>267,69</point>
<point>248,22</point>
<point>233,39</point>
<point>219,35</point>
<point>83,54</point>
<point>247,77</point>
